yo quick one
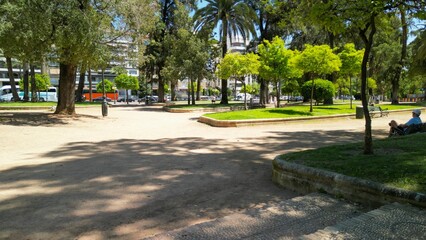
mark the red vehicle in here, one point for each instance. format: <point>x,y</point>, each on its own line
<point>112,95</point>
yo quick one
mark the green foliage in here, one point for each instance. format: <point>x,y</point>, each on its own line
<point>42,82</point>
<point>213,92</point>
<point>235,18</point>
<point>318,60</point>
<point>290,86</point>
<point>238,65</point>
<point>351,60</point>
<point>124,81</point>
<point>323,90</point>
<point>277,62</point>
<point>253,89</point>
<point>188,57</point>
<point>118,70</point>
<point>108,86</point>
<point>371,83</point>
<point>418,48</point>
<point>342,85</point>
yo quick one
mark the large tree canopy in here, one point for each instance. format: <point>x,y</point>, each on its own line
<point>234,16</point>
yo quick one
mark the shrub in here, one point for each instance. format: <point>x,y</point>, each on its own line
<point>323,90</point>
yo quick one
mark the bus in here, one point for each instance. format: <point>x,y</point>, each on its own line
<point>50,95</point>
<point>95,94</point>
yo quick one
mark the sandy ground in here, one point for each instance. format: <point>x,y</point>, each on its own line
<point>141,171</point>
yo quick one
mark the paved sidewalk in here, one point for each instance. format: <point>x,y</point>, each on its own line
<point>141,171</point>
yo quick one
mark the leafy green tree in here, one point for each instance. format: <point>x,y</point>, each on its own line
<point>418,49</point>
<point>318,61</point>
<point>239,66</point>
<point>109,86</point>
<point>188,54</point>
<point>290,87</point>
<point>347,15</point>
<point>124,81</point>
<point>277,63</point>
<point>188,59</point>
<point>322,89</point>
<point>23,36</point>
<point>158,49</point>
<point>253,88</point>
<point>351,64</point>
<point>42,83</point>
<point>234,17</point>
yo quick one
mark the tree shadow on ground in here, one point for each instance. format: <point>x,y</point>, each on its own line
<point>38,119</point>
<point>129,188</point>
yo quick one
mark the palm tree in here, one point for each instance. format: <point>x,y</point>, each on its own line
<point>234,16</point>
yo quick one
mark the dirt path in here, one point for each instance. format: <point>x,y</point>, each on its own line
<point>141,171</point>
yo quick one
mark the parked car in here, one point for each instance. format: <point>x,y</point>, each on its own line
<point>296,98</point>
<point>346,97</point>
<point>101,99</point>
<point>151,99</point>
<point>131,99</point>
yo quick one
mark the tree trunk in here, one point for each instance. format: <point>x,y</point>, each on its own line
<point>262,92</point>
<point>245,93</point>
<point>224,82</point>
<point>66,104</point>
<point>90,85</point>
<point>312,95</point>
<point>160,90</point>
<point>278,93</point>
<point>79,93</point>
<point>401,63</point>
<point>192,92</point>
<point>12,79</point>
<point>368,41</point>
<point>26,81</point>
<point>350,91</point>
<point>198,89</point>
<point>34,97</point>
<point>173,90</point>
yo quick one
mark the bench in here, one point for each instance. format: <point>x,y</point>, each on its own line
<point>377,111</point>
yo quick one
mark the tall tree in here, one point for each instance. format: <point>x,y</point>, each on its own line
<point>351,64</point>
<point>239,67</point>
<point>158,50</point>
<point>277,63</point>
<point>349,16</point>
<point>318,61</point>
<point>403,56</point>
<point>124,81</point>
<point>234,17</point>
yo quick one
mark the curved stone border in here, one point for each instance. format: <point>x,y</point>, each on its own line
<point>250,122</point>
<point>305,179</point>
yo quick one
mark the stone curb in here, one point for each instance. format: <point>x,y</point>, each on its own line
<point>249,122</point>
<point>304,179</point>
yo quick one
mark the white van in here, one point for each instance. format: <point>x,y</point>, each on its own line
<point>51,95</point>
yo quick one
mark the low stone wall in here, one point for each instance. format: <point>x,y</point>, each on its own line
<point>305,179</point>
<point>251,122</point>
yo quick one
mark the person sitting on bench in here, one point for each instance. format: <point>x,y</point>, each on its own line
<point>401,129</point>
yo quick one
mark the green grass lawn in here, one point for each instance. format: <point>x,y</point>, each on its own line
<point>293,111</point>
<point>399,161</point>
